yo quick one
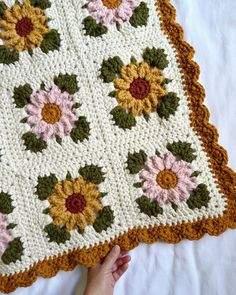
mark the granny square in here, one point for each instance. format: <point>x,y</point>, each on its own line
<point>104,138</point>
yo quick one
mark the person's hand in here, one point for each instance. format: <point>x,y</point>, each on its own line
<point>102,277</point>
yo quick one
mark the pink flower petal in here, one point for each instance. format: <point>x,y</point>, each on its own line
<point>104,15</point>
<point>183,171</point>
<point>34,109</point>
<point>169,159</point>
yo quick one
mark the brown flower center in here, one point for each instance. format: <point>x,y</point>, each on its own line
<point>75,203</point>
<point>51,113</point>
<point>139,88</point>
<point>111,4</point>
<point>24,27</point>
<point>167,179</point>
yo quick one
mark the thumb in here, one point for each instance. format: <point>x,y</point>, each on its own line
<point>111,257</point>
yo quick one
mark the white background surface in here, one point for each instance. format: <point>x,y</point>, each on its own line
<point>201,267</point>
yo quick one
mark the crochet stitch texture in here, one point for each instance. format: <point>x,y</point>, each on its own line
<point>104,136</point>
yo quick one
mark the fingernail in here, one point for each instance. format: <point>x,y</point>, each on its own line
<point>116,248</point>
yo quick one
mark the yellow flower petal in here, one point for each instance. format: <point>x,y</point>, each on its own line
<point>80,221</point>
<point>13,41</point>
<point>157,89</point>
<point>9,17</point>
<point>124,95</point>
<point>89,215</point>
<point>6,25</point>
<point>70,222</point>
<point>129,72</point>
<point>121,84</point>
<point>95,205</point>
<point>8,34</point>
<point>143,70</point>
<point>59,190</point>
<point>20,45</point>
<point>58,210</point>
<point>17,12</point>
<point>56,199</point>
<point>35,37</point>
<point>68,187</point>
<point>136,108</point>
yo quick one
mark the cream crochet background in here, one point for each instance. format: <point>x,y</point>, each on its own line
<point>107,146</point>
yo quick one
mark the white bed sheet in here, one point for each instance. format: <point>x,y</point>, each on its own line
<point>200,267</point>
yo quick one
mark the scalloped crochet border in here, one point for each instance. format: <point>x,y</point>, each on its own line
<point>226,178</point>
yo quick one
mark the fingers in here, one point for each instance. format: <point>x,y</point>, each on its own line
<point>111,257</point>
<point>120,261</point>
<point>120,271</point>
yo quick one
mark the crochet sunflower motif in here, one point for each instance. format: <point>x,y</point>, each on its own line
<point>139,87</point>
<point>51,113</point>
<point>74,204</point>
<point>103,142</point>
<point>105,13</point>
<point>25,27</point>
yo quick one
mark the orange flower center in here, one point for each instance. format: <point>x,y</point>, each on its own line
<point>139,88</point>
<point>111,4</point>
<point>24,27</point>
<point>167,179</point>
<point>75,203</point>
<point>51,113</point>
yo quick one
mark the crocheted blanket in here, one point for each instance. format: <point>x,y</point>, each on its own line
<point>104,136</point>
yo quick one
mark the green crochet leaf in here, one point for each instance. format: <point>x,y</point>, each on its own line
<point>104,219</point>
<point>168,105</point>
<point>136,161</point>
<point>51,41</point>
<point>43,4</point>
<point>102,195</point>
<point>156,57</point>
<point>67,83</point>
<point>199,197</point>
<point>11,225</point>
<point>45,186</point>
<point>195,173</point>
<point>110,68</point>
<point>8,56</point>
<point>149,208</point>
<point>92,28</point>
<point>46,210</point>
<point>5,203</point>
<point>183,150</point>
<point>13,252</point>
<point>57,234</point>
<point>81,231</point>
<point>123,118</point>
<point>33,143</point>
<point>140,15</point>
<point>92,173</point>
<point>22,95</point>
<point>174,206</point>
<point>3,7</point>
<point>68,176</point>
<point>138,184</point>
<point>81,131</point>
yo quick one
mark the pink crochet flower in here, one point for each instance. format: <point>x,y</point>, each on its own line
<point>50,113</point>
<point>167,179</point>
<point>5,235</point>
<point>109,12</point>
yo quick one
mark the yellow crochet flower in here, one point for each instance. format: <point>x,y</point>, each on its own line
<point>74,203</point>
<point>139,88</point>
<point>23,26</point>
